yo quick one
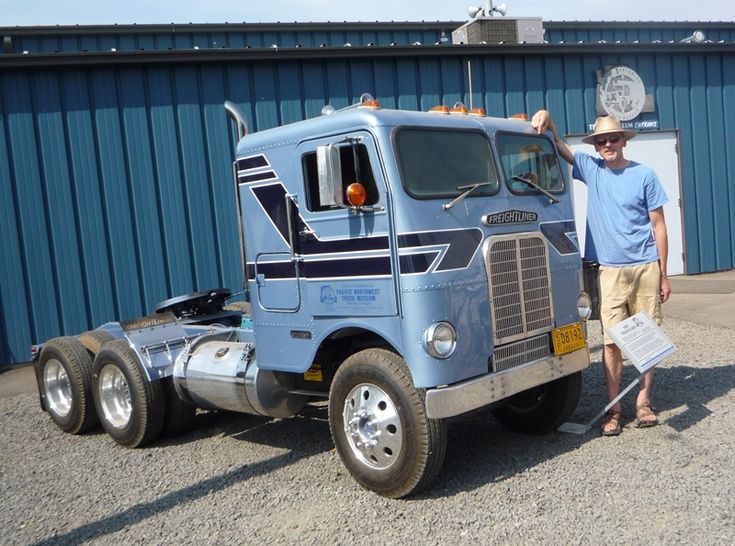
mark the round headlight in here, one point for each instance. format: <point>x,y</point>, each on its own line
<point>440,340</point>
<point>584,306</point>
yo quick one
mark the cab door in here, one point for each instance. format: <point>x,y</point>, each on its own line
<point>345,263</point>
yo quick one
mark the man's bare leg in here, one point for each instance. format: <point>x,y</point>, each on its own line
<point>612,361</point>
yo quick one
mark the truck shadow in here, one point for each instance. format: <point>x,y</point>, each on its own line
<point>312,422</point>
<point>482,452</point>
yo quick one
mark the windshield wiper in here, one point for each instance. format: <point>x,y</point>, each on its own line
<point>539,188</point>
<point>469,189</point>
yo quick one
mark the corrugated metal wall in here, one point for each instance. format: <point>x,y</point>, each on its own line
<point>116,184</point>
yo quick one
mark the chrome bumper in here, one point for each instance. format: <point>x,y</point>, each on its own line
<point>480,391</point>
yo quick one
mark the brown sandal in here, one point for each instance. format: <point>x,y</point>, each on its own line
<point>613,418</point>
<point>643,414</point>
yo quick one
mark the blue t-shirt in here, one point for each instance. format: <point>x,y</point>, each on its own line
<point>618,203</point>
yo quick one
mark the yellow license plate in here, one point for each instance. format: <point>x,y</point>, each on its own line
<point>568,338</point>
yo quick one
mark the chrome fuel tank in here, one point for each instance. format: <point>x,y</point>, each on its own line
<point>225,375</point>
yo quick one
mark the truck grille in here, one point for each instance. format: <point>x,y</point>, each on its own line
<point>518,271</point>
<point>520,352</point>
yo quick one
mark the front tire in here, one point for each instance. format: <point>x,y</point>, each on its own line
<point>130,407</point>
<point>378,422</point>
<point>65,378</point>
<point>542,409</point>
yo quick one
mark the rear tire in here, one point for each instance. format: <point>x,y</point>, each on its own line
<point>130,407</point>
<point>93,340</point>
<point>65,379</point>
<point>379,426</point>
<point>542,409</point>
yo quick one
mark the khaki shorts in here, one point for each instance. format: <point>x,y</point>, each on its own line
<point>625,291</point>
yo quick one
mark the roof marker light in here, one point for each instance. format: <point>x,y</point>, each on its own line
<point>520,116</point>
<point>367,101</point>
<point>477,112</point>
<point>459,109</point>
<point>441,109</point>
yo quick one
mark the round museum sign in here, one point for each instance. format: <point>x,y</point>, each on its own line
<point>622,93</point>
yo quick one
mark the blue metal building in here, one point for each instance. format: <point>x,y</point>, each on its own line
<point>116,187</point>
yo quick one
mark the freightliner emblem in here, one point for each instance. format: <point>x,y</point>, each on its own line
<point>509,217</point>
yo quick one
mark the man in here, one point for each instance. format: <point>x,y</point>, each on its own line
<point>626,223</point>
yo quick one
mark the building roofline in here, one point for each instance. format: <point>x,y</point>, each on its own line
<point>227,27</point>
<point>326,25</point>
<point>32,60</point>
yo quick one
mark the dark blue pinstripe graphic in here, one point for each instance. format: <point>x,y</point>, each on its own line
<point>560,234</point>
<point>252,162</point>
<point>459,246</point>
<point>257,177</point>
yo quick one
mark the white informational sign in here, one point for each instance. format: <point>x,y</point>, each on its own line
<point>642,340</point>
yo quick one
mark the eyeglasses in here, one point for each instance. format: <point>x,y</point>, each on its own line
<point>612,140</point>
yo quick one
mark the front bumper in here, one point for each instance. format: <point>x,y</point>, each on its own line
<point>480,391</point>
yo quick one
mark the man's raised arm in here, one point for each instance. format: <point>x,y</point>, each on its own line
<point>542,121</point>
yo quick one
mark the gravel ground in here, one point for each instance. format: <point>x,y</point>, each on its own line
<point>238,479</point>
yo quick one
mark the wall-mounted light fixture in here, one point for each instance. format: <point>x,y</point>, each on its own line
<point>697,37</point>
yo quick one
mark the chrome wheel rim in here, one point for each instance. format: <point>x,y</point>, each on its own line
<point>372,426</point>
<point>114,396</point>
<point>58,388</point>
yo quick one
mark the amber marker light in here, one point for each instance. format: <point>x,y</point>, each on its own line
<point>370,103</point>
<point>520,115</point>
<point>459,109</point>
<point>441,109</point>
<point>477,112</point>
<point>356,194</point>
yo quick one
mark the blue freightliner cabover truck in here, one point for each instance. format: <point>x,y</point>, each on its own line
<point>407,267</point>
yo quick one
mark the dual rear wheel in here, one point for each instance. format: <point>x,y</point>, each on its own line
<point>64,373</point>
<point>96,379</point>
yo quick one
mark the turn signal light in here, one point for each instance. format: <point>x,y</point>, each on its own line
<point>356,194</point>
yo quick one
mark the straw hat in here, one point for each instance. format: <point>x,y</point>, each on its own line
<point>605,125</point>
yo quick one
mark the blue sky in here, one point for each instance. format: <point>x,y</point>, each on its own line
<point>86,12</point>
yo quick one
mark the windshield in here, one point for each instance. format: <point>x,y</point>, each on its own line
<point>438,163</point>
<point>531,158</point>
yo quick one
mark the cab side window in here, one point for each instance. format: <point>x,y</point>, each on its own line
<point>355,163</point>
